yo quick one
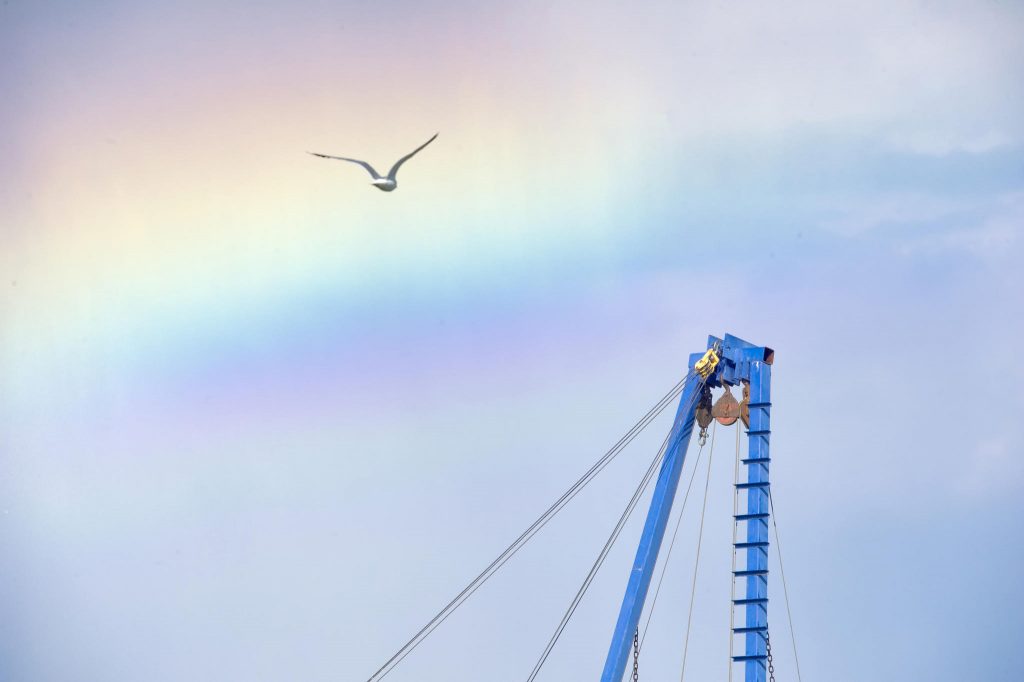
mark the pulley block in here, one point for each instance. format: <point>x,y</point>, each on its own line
<point>727,410</point>
<point>703,414</point>
<point>745,405</point>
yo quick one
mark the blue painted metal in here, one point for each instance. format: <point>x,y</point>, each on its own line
<point>753,629</point>
<point>756,485</point>
<point>739,361</point>
<point>752,484</point>
<point>654,531</point>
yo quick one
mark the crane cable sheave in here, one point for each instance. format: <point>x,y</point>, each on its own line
<point>706,365</point>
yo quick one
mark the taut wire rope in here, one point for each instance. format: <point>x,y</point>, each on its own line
<point>631,505</point>
<point>785,589</point>
<point>696,563</point>
<point>668,555</point>
<point>627,512</point>
<point>532,530</point>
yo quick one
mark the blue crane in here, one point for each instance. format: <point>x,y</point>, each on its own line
<point>730,361</point>
<point>727,362</point>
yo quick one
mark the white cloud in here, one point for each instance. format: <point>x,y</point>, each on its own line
<point>992,466</point>
<point>939,77</point>
<point>917,224</point>
<point>932,142</point>
<point>996,236</point>
<point>855,216</point>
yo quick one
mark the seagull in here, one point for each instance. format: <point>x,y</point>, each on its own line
<point>384,184</point>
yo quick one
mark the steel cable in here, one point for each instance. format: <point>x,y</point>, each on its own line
<point>644,482</point>
<point>672,544</point>
<point>785,589</point>
<point>630,506</point>
<point>696,563</point>
<point>532,530</point>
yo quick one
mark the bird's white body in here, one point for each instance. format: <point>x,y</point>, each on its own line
<point>386,183</point>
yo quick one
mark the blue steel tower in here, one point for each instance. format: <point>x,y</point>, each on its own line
<point>729,361</point>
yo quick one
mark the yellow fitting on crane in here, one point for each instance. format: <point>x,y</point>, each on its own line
<point>706,365</point>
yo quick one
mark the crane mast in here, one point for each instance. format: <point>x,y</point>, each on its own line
<point>729,361</point>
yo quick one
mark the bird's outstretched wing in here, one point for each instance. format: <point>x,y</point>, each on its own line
<point>398,164</point>
<point>368,167</point>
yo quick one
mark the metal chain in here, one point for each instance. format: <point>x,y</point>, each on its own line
<point>768,650</point>
<point>636,655</point>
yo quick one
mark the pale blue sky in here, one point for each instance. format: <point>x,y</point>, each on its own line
<point>259,421</point>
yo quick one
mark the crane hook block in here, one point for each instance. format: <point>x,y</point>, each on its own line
<point>745,405</point>
<point>703,413</point>
<point>727,410</point>
<point>706,365</point>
